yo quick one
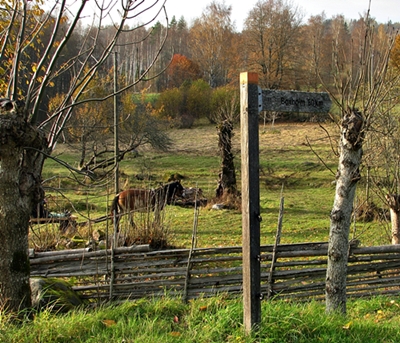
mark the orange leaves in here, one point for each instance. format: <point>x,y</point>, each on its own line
<point>395,54</point>
<point>182,69</point>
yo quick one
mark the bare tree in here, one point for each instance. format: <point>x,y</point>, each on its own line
<point>28,141</point>
<point>211,43</point>
<point>382,161</point>
<point>271,30</point>
<point>361,85</point>
<point>382,154</point>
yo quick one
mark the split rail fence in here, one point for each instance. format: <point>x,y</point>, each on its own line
<point>290,271</point>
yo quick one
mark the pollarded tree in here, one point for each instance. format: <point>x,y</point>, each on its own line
<point>225,111</point>
<point>360,86</point>
<point>25,141</point>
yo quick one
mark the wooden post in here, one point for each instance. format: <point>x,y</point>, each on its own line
<point>250,200</point>
<point>116,123</point>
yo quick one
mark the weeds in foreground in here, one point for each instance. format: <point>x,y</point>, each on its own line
<point>210,320</point>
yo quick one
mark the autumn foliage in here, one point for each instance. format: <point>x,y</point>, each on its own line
<point>181,69</point>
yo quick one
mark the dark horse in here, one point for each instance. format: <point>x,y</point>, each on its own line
<point>146,200</point>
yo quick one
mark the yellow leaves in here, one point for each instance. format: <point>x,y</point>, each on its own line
<point>387,311</point>
<point>379,316</point>
<point>347,326</point>
<point>392,303</point>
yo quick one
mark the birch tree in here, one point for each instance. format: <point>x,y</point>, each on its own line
<point>28,137</point>
<point>361,86</point>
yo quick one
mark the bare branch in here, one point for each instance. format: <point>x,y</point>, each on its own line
<point>319,157</point>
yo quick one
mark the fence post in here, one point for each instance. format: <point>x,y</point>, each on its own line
<point>250,200</point>
<point>275,249</point>
<point>113,246</point>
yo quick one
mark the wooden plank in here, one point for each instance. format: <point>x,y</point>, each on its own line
<point>216,270</point>
<point>250,200</point>
<point>53,220</point>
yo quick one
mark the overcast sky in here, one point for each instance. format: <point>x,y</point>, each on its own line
<point>381,10</point>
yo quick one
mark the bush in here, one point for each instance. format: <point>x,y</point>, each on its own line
<point>198,99</point>
<point>170,103</point>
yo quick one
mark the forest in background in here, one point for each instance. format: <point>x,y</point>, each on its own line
<point>277,42</point>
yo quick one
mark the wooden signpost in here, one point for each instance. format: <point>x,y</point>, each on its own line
<point>253,100</point>
<point>293,101</point>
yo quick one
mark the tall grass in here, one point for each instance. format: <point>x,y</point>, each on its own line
<point>213,320</point>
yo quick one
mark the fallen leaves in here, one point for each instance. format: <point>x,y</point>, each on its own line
<point>109,322</point>
<point>175,333</point>
<point>347,326</point>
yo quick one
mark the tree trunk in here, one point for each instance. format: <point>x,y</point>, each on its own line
<point>20,170</point>
<point>346,180</point>
<point>227,177</point>
<point>394,205</point>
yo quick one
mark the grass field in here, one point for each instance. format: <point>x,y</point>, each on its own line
<point>215,320</point>
<point>288,168</point>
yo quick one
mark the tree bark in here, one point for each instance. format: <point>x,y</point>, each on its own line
<point>346,180</point>
<point>394,205</point>
<point>20,189</point>
<point>227,177</point>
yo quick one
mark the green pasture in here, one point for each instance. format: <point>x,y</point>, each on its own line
<point>291,167</point>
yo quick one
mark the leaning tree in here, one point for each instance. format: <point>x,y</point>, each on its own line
<point>45,50</point>
<point>361,87</point>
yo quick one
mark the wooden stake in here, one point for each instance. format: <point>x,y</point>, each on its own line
<point>249,93</point>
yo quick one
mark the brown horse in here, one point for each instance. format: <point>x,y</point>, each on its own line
<point>146,200</point>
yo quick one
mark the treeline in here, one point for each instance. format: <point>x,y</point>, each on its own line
<point>287,51</point>
<point>179,60</point>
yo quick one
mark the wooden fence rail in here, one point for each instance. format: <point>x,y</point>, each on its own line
<point>298,273</point>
